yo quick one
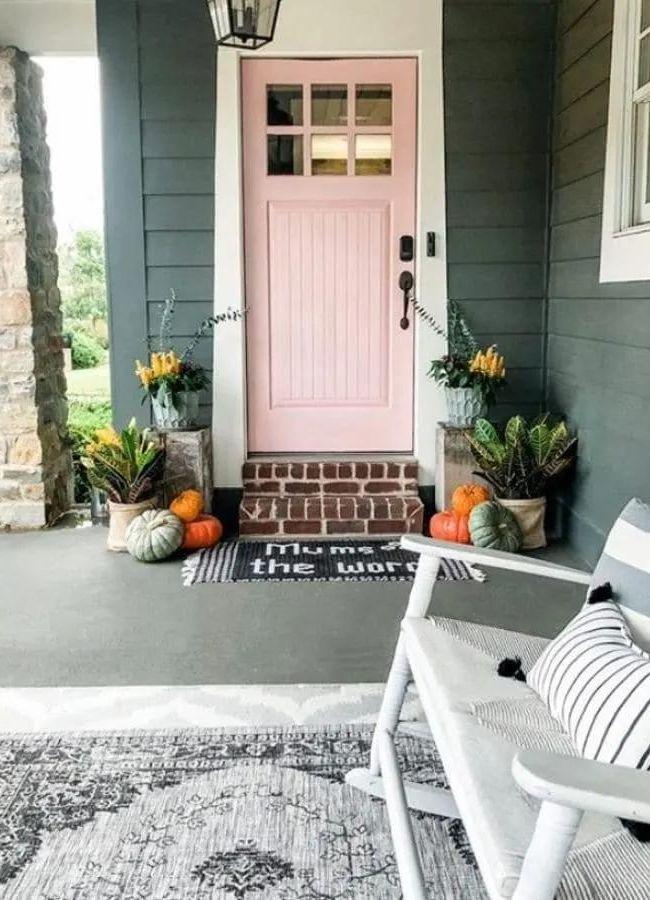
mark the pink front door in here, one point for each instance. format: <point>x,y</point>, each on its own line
<point>329,184</point>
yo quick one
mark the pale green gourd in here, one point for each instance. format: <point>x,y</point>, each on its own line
<point>494,527</point>
<point>154,535</point>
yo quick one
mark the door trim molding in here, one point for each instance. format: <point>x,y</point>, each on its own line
<point>229,388</point>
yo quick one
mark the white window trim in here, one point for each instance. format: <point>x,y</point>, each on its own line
<point>625,250</point>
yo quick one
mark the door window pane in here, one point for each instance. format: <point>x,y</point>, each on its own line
<point>329,154</point>
<point>644,61</point>
<point>284,104</point>
<point>373,154</point>
<point>284,154</point>
<point>374,104</point>
<point>329,104</point>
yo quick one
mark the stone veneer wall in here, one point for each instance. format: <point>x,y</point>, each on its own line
<point>35,463</point>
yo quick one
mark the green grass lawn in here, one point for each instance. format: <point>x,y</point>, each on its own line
<point>89,383</point>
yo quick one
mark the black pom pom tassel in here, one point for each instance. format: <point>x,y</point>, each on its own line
<point>601,594</point>
<point>511,668</point>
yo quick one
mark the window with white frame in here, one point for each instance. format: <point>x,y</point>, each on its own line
<point>626,212</point>
<point>640,110</point>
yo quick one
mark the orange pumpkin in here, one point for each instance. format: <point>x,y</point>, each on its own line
<point>467,496</point>
<point>448,526</point>
<point>206,531</point>
<point>188,506</point>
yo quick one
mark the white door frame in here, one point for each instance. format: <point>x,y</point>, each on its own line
<point>306,28</point>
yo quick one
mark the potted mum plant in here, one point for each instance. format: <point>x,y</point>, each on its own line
<point>520,463</point>
<point>470,375</point>
<point>173,382</point>
<point>128,467</point>
<point>470,383</point>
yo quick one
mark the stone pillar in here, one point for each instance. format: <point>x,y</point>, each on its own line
<point>35,462</point>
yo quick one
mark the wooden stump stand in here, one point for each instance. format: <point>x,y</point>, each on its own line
<point>188,463</point>
<point>454,463</point>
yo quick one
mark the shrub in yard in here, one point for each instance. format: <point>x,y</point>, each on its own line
<point>87,352</point>
<point>85,417</point>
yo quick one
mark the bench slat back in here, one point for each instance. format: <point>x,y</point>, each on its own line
<point>625,563</point>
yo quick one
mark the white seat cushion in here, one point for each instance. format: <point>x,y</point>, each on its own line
<point>479,721</point>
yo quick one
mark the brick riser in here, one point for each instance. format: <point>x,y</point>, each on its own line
<point>341,498</point>
<point>333,479</point>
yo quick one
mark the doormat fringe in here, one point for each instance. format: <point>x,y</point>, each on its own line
<point>347,560</point>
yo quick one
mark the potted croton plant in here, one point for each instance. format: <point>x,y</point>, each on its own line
<point>173,381</point>
<point>128,467</point>
<point>519,463</point>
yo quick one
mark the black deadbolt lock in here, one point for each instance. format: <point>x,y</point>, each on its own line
<point>406,248</point>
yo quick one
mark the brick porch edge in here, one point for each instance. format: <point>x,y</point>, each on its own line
<point>330,498</point>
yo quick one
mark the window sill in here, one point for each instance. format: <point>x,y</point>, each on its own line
<point>625,255</point>
<point>635,229</point>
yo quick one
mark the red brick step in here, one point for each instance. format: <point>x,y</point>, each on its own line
<point>283,497</point>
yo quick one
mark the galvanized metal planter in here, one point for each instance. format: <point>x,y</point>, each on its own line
<point>175,412</point>
<point>464,406</point>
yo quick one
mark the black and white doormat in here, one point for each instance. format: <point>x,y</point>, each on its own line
<point>250,814</point>
<point>347,560</point>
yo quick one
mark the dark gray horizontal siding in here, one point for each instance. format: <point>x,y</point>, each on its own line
<point>179,212</point>
<point>177,113</point>
<point>497,67</point>
<point>598,344</point>
<point>171,120</point>
<point>581,158</point>
<point>189,282</point>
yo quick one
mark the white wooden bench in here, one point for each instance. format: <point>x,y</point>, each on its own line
<point>541,821</point>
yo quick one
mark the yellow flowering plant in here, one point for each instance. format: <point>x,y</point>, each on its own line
<point>166,373</point>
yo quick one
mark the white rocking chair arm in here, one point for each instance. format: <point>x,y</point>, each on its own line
<point>584,784</point>
<point>494,558</point>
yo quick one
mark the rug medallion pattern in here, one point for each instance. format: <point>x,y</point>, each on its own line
<point>242,814</point>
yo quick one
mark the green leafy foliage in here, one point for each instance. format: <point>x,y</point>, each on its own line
<point>522,462</point>
<point>82,278</point>
<point>87,352</point>
<point>84,419</point>
<point>127,466</point>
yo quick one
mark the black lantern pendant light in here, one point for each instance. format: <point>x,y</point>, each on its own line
<point>247,24</point>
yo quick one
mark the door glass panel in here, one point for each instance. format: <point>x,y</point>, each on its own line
<point>329,154</point>
<point>644,61</point>
<point>374,104</point>
<point>373,153</point>
<point>284,104</point>
<point>284,154</point>
<point>329,104</point>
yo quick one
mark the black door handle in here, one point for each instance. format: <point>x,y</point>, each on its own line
<point>406,285</point>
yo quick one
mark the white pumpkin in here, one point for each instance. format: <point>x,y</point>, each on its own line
<point>154,535</point>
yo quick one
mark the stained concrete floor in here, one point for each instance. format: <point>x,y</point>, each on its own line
<point>73,614</point>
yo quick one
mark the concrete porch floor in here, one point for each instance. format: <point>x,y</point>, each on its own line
<point>74,614</point>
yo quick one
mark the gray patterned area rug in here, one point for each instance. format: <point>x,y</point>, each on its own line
<point>343,560</point>
<point>197,814</point>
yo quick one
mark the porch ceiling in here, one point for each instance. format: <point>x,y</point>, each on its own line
<point>41,27</point>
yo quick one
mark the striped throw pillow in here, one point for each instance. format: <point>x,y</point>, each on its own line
<point>596,683</point>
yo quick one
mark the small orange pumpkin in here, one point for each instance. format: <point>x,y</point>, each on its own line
<point>206,531</point>
<point>467,496</point>
<point>449,526</point>
<point>188,506</point>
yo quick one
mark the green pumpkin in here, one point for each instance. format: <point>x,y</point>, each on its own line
<point>154,535</point>
<point>494,527</point>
